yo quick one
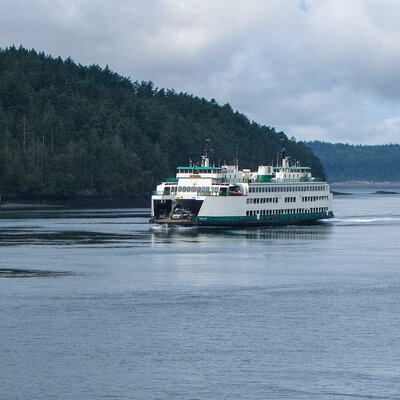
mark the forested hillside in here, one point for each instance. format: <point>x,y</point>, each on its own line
<point>68,130</point>
<point>345,162</point>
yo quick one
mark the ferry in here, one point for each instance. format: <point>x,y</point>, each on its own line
<point>205,195</point>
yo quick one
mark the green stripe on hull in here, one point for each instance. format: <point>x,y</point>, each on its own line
<point>263,220</point>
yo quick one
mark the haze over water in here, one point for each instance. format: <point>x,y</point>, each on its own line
<point>96,304</point>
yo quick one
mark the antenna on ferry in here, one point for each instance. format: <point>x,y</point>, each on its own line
<point>283,149</point>
<point>205,161</point>
<point>237,158</point>
<point>207,147</point>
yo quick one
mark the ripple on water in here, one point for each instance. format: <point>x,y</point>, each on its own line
<point>29,273</point>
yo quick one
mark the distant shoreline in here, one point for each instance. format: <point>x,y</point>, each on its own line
<point>365,184</point>
<point>144,202</point>
<point>24,204</point>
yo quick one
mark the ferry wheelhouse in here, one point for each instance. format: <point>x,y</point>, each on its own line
<point>226,196</point>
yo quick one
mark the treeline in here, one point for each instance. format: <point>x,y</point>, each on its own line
<point>345,162</point>
<point>68,130</point>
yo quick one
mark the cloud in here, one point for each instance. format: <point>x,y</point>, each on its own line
<point>318,69</point>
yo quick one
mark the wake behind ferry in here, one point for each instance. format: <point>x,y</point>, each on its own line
<point>226,196</point>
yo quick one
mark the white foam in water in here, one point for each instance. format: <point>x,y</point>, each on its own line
<point>159,227</point>
<point>366,220</point>
<point>185,228</point>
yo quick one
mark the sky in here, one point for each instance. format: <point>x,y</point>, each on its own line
<point>324,70</point>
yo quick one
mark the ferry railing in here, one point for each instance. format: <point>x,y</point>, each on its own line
<point>197,193</point>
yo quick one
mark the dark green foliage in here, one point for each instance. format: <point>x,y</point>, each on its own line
<point>68,130</point>
<point>345,162</point>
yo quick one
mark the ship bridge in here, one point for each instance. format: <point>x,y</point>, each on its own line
<point>200,172</point>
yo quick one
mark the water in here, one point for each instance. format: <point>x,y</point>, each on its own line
<point>94,304</point>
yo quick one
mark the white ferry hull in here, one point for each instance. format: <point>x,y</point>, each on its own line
<point>233,211</point>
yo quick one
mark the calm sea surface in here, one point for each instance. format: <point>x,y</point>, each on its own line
<point>95,304</point>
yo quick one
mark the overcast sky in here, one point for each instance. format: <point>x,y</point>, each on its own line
<point>317,69</point>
